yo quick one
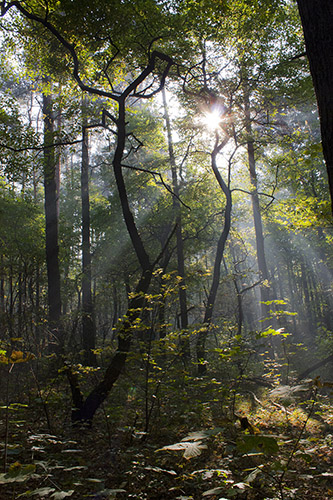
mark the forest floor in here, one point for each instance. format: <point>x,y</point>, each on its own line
<point>271,451</point>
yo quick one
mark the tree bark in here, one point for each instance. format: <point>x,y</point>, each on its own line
<point>51,221</point>
<point>137,243</point>
<point>317,21</point>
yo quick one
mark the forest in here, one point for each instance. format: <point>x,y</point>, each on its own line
<point>166,264</point>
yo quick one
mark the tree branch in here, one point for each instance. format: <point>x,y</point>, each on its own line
<point>165,246</point>
<point>65,43</point>
<point>39,148</point>
<point>153,173</point>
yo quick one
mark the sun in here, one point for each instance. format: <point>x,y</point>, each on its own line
<point>212,119</point>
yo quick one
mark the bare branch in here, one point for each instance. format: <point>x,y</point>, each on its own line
<point>105,114</point>
<point>250,193</point>
<point>165,246</point>
<point>153,173</point>
<point>39,148</point>
<point>249,287</point>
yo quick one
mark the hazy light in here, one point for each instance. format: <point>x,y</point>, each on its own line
<point>212,119</point>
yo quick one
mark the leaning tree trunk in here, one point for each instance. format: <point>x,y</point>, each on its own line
<point>51,221</point>
<point>201,342</point>
<point>88,317</point>
<point>85,409</point>
<point>317,21</point>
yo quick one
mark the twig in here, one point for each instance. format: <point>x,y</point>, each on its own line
<point>7,420</point>
<point>46,411</point>
<point>292,454</point>
<point>154,173</point>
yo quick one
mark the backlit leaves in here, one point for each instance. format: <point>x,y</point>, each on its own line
<point>190,449</point>
<point>15,357</point>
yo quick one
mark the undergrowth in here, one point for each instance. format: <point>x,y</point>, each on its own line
<point>204,440</point>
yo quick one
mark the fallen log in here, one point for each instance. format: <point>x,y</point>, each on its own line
<point>312,368</point>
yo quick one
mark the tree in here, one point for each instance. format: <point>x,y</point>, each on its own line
<point>51,223</point>
<point>317,17</point>
<point>88,314</point>
<point>85,409</point>
<point>179,232</point>
<point>260,245</point>
<point>225,187</point>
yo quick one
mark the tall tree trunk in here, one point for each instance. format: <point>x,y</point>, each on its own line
<point>240,310</point>
<point>88,317</point>
<point>260,246</point>
<point>51,220</point>
<point>307,305</point>
<point>201,342</point>
<point>317,20</point>
<point>20,305</point>
<point>2,293</point>
<point>179,235</point>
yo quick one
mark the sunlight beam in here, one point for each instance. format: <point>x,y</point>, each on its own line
<point>212,119</point>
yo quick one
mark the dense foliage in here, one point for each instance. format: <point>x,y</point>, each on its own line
<point>166,253</point>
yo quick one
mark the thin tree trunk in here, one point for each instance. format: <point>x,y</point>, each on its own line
<point>84,410</point>
<point>179,236</point>
<point>307,303</point>
<point>20,305</point>
<point>116,305</point>
<point>88,316</point>
<point>321,363</point>
<point>2,295</point>
<point>51,220</point>
<point>240,311</point>
<point>260,246</point>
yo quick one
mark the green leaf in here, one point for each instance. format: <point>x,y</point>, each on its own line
<point>59,495</point>
<point>191,449</point>
<point>200,435</point>
<point>18,470</point>
<point>214,491</point>
<point>41,492</point>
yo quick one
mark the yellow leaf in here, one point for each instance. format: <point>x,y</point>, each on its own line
<point>318,383</point>
<point>4,359</point>
<point>18,357</point>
